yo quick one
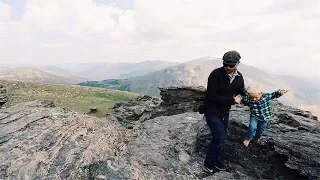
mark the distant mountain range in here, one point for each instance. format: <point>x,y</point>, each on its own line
<point>56,69</point>
<point>80,72</point>
<point>101,71</point>
<point>195,73</point>
<point>32,74</point>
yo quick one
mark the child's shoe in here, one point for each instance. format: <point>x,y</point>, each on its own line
<point>246,143</point>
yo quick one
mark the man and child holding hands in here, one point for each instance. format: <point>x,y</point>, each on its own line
<point>226,87</point>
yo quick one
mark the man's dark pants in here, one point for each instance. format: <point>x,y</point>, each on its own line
<point>219,128</point>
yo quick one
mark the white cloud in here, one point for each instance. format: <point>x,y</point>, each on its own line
<point>5,11</point>
<point>267,33</point>
<point>72,16</point>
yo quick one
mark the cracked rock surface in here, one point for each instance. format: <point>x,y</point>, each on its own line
<point>40,141</point>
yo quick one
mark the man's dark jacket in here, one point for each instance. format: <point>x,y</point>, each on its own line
<point>220,92</point>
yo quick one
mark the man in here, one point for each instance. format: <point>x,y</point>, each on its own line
<point>223,89</point>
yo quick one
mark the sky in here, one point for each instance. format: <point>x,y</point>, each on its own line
<point>279,35</point>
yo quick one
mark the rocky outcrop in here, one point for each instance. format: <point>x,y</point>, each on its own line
<point>175,100</point>
<point>181,99</point>
<point>142,108</point>
<point>3,95</point>
<point>173,147</point>
<point>168,140</point>
<point>287,152</point>
<point>40,141</point>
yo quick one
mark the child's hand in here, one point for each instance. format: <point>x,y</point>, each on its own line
<point>283,91</point>
<point>237,99</point>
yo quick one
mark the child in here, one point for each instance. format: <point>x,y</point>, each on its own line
<point>260,110</point>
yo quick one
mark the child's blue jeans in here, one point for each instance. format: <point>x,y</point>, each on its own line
<point>256,128</point>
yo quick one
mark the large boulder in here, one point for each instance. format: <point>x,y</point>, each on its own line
<point>181,99</point>
<point>141,108</point>
<point>174,100</point>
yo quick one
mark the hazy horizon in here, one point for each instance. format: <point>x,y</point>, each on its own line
<point>68,66</point>
<point>275,35</point>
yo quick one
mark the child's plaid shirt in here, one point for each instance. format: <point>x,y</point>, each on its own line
<point>261,108</point>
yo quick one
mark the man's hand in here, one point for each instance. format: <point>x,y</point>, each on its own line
<point>283,91</point>
<point>237,99</point>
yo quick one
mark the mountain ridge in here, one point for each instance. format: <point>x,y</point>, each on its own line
<point>33,74</point>
<point>107,70</point>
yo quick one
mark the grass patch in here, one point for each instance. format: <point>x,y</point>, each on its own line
<point>73,97</point>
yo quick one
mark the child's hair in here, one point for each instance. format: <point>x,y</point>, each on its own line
<point>254,89</point>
